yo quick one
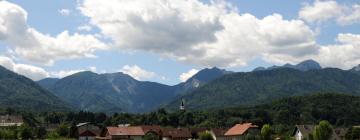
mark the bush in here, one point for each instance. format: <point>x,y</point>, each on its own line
<point>266,132</point>
<point>25,132</point>
<point>205,136</point>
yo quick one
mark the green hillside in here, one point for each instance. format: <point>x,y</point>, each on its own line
<point>252,88</point>
<point>21,93</point>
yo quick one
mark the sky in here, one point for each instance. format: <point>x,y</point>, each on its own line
<point>168,41</point>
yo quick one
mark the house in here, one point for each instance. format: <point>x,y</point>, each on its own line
<point>218,133</point>
<point>239,131</point>
<point>176,134</point>
<point>302,132</point>
<point>87,131</point>
<point>125,133</point>
<point>11,120</point>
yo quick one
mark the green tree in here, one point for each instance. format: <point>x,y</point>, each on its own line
<point>266,132</point>
<point>205,136</point>
<point>151,136</point>
<point>323,131</point>
<point>40,132</point>
<point>63,130</point>
<point>7,134</point>
<point>353,133</point>
<point>25,132</point>
<point>73,131</point>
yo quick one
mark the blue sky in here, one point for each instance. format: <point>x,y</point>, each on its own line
<point>165,66</point>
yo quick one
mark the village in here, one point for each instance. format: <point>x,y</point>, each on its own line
<point>240,131</point>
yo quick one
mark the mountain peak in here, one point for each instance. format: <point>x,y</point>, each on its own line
<point>356,68</point>
<point>209,74</point>
<point>308,65</point>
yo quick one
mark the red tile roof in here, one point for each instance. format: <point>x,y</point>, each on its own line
<point>239,129</point>
<point>126,131</point>
<point>176,132</point>
<point>87,133</point>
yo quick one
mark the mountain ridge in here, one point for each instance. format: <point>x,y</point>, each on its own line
<point>19,92</point>
<point>249,88</point>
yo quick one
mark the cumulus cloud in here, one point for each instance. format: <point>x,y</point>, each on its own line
<point>34,46</point>
<point>351,16</point>
<point>193,32</point>
<point>185,76</point>
<point>65,12</point>
<point>345,54</point>
<point>321,11</point>
<point>32,72</point>
<point>137,72</point>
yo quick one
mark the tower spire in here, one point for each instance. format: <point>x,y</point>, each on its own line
<point>182,105</point>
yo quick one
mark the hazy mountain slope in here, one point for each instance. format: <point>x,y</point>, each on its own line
<point>21,93</point>
<point>199,79</point>
<point>302,66</point>
<point>48,82</point>
<point>115,92</point>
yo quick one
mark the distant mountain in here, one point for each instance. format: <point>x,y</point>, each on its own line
<point>356,69</point>
<point>199,79</point>
<point>115,92</point>
<point>302,66</point>
<point>48,82</point>
<point>21,93</point>
<point>118,92</point>
<point>252,88</point>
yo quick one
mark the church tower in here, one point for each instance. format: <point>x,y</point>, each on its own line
<point>182,105</point>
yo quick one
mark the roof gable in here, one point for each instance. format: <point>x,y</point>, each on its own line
<point>239,129</point>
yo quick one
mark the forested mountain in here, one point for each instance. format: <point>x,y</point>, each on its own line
<point>302,66</point>
<point>114,92</point>
<point>250,88</point>
<point>118,92</point>
<point>21,93</point>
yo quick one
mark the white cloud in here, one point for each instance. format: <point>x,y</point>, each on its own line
<point>351,16</point>
<point>185,76</point>
<point>321,11</point>
<point>64,73</point>
<point>34,46</point>
<point>137,72</point>
<point>32,72</point>
<point>84,28</point>
<point>65,12</point>
<point>345,54</point>
<point>204,34</point>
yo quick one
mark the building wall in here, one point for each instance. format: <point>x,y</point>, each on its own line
<point>87,138</point>
<point>126,138</point>
<point>298,135</point>
<point>234,138</point>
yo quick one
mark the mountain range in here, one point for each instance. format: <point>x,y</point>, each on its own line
<point>119,92</point>
<point>209,88</point>
<point>302,66</point>
<point>250,88</point>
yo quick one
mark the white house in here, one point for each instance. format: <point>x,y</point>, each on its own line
<point>11,120</point>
